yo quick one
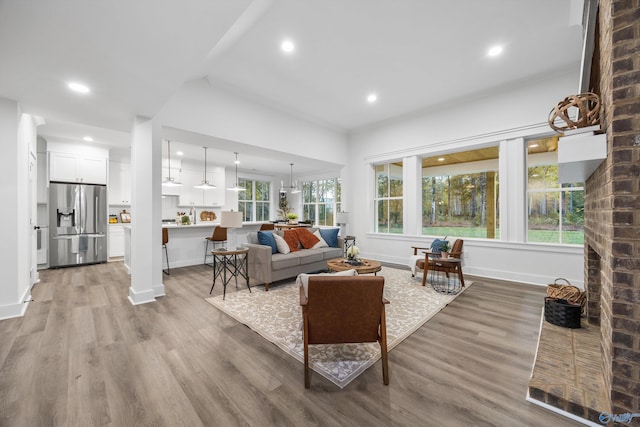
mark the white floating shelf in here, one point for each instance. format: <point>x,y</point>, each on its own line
<point>579,155</point>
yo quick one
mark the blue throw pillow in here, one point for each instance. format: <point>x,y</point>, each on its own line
<point>266,238</point>
<point>438,245</point>
<point>330,235</point>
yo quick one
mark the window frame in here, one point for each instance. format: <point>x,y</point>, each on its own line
<point>254,202</point>
<point>336,204</point>
<point>388,198</point>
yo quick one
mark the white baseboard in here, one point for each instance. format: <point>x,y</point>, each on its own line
<point>18,309</point>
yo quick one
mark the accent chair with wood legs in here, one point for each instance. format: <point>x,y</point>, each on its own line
<point>344,309</point>
<point>430,262</point>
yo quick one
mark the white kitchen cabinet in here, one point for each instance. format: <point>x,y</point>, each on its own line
<point>119,190</point>
<point>65,167</point>
<point>216,197</point>
<point>116,240</point>
<point>190,196</point>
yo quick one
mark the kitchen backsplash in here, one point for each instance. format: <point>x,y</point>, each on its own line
<point>169,209</point>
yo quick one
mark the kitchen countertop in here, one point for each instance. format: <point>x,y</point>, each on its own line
<point>196,225</point>
<point>207,224</point>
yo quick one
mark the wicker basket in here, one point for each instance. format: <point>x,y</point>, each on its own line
<point>562,312</point>
<point>568,292</point>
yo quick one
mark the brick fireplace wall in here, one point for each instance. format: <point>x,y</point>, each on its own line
<point>612,205</point>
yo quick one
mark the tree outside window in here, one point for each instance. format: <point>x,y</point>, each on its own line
<point>389,198</point>
<point>321,200</point>
<point>462,205</point>
<point>254,202</point>
<point>555,212</point>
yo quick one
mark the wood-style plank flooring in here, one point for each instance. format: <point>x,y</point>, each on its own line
<point>84,356</point>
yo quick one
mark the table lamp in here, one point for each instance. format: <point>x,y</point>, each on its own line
<point>231,220</point>
<point>342,219</point>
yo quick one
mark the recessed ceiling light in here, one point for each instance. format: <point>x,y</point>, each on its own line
<point>179,153</point>
<point>371,98</point>
<point>533,145</point>
<point>287,46</point>
<point>88,139</point>
<point>495,51</point>
<point>441,159</point>
<point>78,87</point>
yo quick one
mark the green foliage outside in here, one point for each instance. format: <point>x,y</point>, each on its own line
<point>321,200</point>
<point>538,236</point>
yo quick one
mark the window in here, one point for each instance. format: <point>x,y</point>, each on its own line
<point>460,194</point>
<point>388,201</point>
<point>254,202</point>
<point>321,200</point>
<point>555,211</point>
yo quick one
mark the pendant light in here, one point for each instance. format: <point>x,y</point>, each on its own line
<point>170,182</point>
<point>236,187</point>
<point>204,185</point>
<point>293,187</point>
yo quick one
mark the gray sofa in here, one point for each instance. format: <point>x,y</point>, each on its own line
<point>265,267</point>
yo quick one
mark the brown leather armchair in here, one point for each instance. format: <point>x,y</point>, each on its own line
<point>342,309</point>
<point>430,262</point>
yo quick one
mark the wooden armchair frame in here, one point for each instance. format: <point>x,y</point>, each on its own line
<point>342,309</point>
<point>436,264</point>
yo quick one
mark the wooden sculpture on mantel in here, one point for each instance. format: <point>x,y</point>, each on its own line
<point>588,105</point>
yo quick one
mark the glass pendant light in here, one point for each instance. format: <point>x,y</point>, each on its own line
<point>236,187</point>
<point>204,185</point>
<point>170,182</point>
<point>293,187</point>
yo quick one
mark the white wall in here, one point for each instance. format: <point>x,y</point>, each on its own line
<point>199,107</point>
<point>466,125</point>
<point>18,136</point>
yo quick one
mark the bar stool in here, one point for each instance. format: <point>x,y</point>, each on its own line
<point>219,236</point>
<point>165,240</point>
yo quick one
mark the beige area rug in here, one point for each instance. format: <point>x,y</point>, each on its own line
<point>277,316</point>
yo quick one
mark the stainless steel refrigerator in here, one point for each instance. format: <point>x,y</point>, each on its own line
<point>77,223</point>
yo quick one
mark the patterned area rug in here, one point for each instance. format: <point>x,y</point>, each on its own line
<point>277,316</point>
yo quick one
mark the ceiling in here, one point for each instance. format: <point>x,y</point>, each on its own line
<point>413,54</point>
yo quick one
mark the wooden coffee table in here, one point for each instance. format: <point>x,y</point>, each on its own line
<point>368,265</point>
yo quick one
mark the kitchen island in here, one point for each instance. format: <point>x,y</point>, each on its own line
<point>187,242</point>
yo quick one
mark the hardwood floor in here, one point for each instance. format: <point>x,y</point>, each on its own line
<point>84,356</point>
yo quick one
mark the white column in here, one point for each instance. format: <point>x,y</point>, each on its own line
<point>412,195</point>
<point>146,212</point>
<point>15,256</point>
<point>513,190</point>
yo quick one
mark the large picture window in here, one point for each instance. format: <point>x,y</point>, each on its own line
<point>321,200</point>
<point>388,201</point>
<point>254,202</point>
<point>460,194</point>
<point>555,211</point>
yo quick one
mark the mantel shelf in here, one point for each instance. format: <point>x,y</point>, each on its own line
<point>579,155</point>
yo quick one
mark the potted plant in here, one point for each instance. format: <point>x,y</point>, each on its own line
<point>292,217</point>
<point>445,250</point>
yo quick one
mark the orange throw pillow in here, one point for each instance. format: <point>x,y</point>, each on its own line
<point>307,239</point>
<point>291,237</point>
